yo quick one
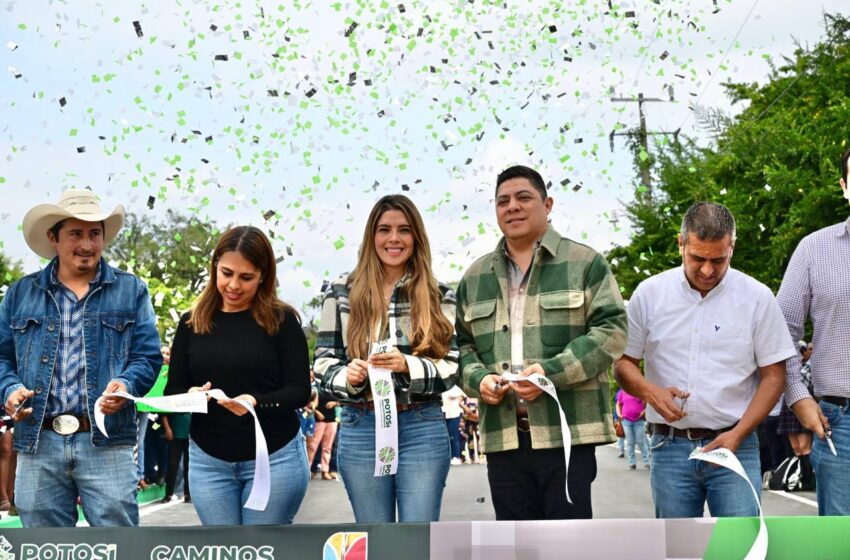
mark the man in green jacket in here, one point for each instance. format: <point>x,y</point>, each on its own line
<point>540,303</point>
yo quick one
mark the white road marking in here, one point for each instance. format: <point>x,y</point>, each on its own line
<point>791,496</point>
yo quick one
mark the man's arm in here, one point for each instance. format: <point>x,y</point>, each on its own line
<point>631,380</point>
<point>145,359</point>
<point>794,299</point>
<point>770,388</point>
<point>476,380</point>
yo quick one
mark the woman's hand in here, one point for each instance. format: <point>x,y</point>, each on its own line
<point>357,372</point>
<point>205,387</point>
<point>235,407</point>
<point>392,360</point>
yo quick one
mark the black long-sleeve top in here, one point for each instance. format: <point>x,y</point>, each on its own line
<point>239,357</point>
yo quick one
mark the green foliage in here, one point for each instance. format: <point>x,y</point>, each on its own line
<point>172,257</point>
<point>10,272</point>
<point>775,166</point>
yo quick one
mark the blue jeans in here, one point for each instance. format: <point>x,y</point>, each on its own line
<point>635,434</point>
<point>142,421</point>
<point>423,465</point>
<point>453,426</point>
<point>833,473</point>
<point>48,482</point>
<point>219,488</point>
<point>680,487</point>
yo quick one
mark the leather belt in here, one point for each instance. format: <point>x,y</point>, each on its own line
<point>67,424</point>
<point>522,424</point>
<point>689,433</point>
<point>370,405</point>
<point>840,401</point>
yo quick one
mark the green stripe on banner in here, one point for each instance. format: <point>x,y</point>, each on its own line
<point>789,538</point>
<point>150,494</point>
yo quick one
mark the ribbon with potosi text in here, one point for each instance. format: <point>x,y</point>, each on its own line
<point>725,458</point>
<point>547,387</point>
<point>197,402</point>
<point>386,419</point>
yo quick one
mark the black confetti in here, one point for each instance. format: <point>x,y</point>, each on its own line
<point>289,250</point>
<point>81,150</point>
<point>664,55</point>
<point>311,92</point>
<point>62,102</point>
<point>151,202</point>
<point>208,139</point>
<point>221,57</point>
<point>272,93</point>
<point>553,28</point>
<point>246,35</point>
<point>267,215</point>
<point>405,187</point>
<point>205,160</point>
<point>401,8</point>
<point>213,27</point>
<point>138,27</point>
<point>630,14</point>
<point>279,259</point>
<point>350,29</point>
<point>367,82</point>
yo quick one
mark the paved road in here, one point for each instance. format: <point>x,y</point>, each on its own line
<point>617,493</point>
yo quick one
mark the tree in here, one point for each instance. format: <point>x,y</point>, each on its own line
<point>775,166</point>
<point>10,272</point>
<point>171,256</point>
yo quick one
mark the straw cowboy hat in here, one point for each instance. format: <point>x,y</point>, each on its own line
<point>79,204</point>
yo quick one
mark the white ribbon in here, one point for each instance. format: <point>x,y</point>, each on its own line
<point>547,387</point>
<point>197,402</point>
<point>386,418</point>
<point>725,458</point>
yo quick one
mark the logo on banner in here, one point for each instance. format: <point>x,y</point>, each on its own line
<point>382,387</point>
<point>543,382</point>
<point>386,413</point>
<point>6,549</point>
<point>346,546</point>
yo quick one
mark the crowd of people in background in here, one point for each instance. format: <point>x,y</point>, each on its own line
<point>478,374</point>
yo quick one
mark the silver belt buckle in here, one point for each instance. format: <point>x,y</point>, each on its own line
<point>66,424</point>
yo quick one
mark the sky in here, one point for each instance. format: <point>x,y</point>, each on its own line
<point>297,116</point>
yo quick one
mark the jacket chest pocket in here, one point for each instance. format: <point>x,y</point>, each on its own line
<point>117,333</point>
<point>481,318</point>
<point>26,332</point>
<point>561,316</point>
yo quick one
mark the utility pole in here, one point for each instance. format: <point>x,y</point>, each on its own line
<point>642,135</point>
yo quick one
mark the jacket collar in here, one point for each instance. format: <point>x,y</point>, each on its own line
<point>107,273</point>
<point>549,242</point>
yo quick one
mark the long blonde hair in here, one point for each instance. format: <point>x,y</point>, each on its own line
<point>266,308</point>
<point>431,331</point>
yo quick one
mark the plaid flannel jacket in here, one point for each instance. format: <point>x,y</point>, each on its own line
<point>427,379</point>
<point>575,327</point>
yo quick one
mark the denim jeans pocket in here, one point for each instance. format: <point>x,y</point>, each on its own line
<point>833,413</point>
<point>658,441</point>
<point>350,416</point>
<point>429,413</point>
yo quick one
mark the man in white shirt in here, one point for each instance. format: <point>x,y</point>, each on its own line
<point>714,343</point>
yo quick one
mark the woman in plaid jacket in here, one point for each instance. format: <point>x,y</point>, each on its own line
<point>391,295</point>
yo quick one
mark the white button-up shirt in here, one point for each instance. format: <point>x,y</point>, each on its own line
<point>709,346</point>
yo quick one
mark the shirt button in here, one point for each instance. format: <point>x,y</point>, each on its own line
<point>50,328</point>
<point>504,328</point>
<point>505,365</point>
<point>399,334</point>
<point>44,359</point>
<point>38,390</point>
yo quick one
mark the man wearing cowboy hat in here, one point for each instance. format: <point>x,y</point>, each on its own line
<point>70,333</point>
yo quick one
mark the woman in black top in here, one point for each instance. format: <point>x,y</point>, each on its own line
<point>240,338</point>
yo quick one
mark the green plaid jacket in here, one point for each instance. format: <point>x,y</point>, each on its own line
<point>575,327</point>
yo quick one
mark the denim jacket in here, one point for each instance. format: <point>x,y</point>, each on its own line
<point>120,342</point>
